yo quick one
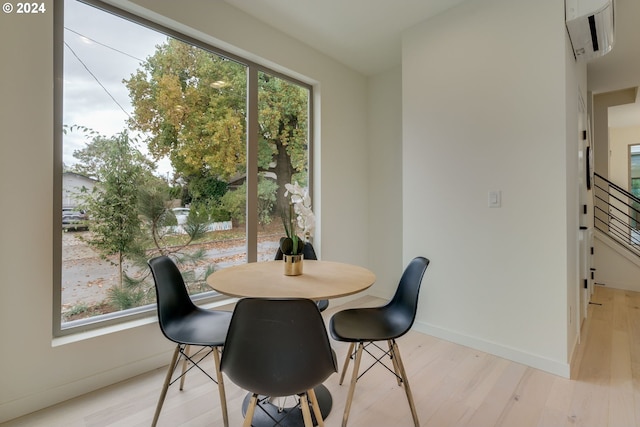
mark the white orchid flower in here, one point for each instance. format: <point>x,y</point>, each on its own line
<point>305,219</point>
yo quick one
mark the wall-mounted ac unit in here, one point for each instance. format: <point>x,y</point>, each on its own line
<point>591,27</point>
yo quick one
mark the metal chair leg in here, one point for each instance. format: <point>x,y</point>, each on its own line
<point>352,387</point>
<point>248,417</point>
<point>165,386</point>
<point>223,396</point>
<point>316,407</point>
<point>405,380</point>
<point>346,362</point>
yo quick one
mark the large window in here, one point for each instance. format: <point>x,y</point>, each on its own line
<point>169,146</point>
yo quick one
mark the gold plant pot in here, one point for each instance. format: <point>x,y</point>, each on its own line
<point>292,265</point>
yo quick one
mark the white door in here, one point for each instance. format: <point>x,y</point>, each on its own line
<point>586,210</point>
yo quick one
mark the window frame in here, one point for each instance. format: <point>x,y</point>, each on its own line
<point>252,129</point>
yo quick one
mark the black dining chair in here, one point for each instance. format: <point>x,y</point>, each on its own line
<point>307,253</point>
<point>186,324</point>
<point>362,327</point>
<point>278,347</point>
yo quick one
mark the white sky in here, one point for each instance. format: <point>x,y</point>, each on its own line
<point>121,47</point>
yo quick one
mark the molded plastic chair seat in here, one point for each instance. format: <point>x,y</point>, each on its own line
<point>368,324</point>
<point>362,327</point>
<point>189,330</point>
<point>278,347</point>
<point>186,324</point>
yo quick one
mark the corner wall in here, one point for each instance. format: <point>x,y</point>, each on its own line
<point>601,104</point>
<point>385,180</point>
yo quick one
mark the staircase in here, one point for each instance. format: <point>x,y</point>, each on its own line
<point>617,214</point>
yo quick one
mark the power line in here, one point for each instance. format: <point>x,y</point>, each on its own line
<point>96,79</point>
<point>102,44</point>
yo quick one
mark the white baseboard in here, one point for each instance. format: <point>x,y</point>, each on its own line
<point>45,398</point>
<point>544,364</point>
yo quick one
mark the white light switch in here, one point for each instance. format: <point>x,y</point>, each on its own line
<point>495,198</point>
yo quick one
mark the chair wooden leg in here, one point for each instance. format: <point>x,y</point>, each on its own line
<point>352,386</point>
<point>346,362</point>
<point>316,407</point>
<point>185,362</point>
<point>395,363</point>
<point>248,417</point>
<point>405,380</point>
<point>220,379</point>
<point>306,413</point>
<point>165,386</point>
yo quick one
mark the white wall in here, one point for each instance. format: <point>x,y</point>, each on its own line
<point>615,266</point>
<point>41,372</point>
<point>600,120</point>
<point>619,141</point>
<point>485,108</point>
<point>385,179</point>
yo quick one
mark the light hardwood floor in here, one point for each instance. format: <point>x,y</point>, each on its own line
<point>452,385</point>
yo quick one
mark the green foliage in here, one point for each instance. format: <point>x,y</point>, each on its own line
<point>152,204</point>
<point>266,200</point>
<point>235,201</point>
<point>283,115</point>
<point>79,308</point>
<point>205,189</point>
<point>135,292</point>
<point>214,210</point>
<point>192,104</point>
<point>100,155</point>
<point>112,205</point>
<point>154,215</point>
<point>158,221</point>
<point>126,297</point>
<point>196,225</point>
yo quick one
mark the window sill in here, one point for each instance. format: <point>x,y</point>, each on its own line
<point>225,303</point>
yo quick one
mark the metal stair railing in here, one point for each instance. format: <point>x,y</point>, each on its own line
<point>617,213</point>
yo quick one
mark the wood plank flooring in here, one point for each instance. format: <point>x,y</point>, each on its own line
<point>452,385</point>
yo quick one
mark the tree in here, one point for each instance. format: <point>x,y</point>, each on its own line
<point>130,216</point>
<point>192,104</point>
<point>96,159</point>
<point>283,118</point>
<point>235,201</point>
<point>205,189</point>
<point>157,219</point>
<point>112,205</point>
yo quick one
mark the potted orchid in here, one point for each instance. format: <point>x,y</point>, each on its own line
<point>299,224</point>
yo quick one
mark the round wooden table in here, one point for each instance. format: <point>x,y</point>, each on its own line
<point>320,280</point>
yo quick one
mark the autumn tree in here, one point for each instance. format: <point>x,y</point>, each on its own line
<point>192,105</point>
